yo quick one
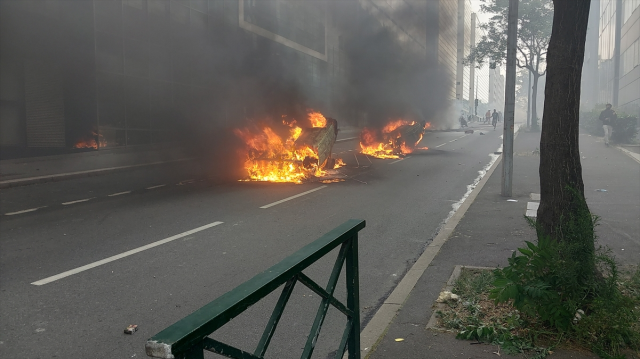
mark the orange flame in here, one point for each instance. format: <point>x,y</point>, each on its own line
<point>273,155</point>
<point>317,120</point>
<point>389,142</point>
<point>393,125</point>
<point>91,142</point>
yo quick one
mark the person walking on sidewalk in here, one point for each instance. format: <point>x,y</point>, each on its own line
<point>495,119</point>
<point>608,116</point>
<point>487,116</point>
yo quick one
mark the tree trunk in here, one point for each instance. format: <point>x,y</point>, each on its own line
<point>534,101</point>
<point>561,186</point>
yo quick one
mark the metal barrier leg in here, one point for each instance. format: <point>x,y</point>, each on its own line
<point>195,352</point>
<point>324,305</point>
<point>353,298</point>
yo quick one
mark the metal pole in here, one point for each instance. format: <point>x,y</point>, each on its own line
<point>476,102</point>
<point>529,101</point>
<point>510,100</point>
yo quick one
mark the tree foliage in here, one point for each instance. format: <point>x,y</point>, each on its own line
<point>534,31</point>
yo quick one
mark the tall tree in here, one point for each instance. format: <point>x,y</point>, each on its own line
<point>561,186</point>
<point>534,30</point>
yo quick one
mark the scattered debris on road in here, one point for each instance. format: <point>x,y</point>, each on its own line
<point>601,190</point>
<point>131,329</point>
<point>399,339</point>
<point>512,200</point>
<point>468,131</point>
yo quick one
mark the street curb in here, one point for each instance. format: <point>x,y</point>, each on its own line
<point>64,176</point>
<point>634,156</point>
<point>375,330</point>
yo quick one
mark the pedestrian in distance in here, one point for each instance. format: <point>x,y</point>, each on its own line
<point>487,116</point>
<point>495,119</point>
<point>608,117</point>
<point>463,122</point>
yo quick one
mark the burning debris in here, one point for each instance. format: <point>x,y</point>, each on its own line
<point>397,138</point>
<point>90,141</point>
<point>288,152</point>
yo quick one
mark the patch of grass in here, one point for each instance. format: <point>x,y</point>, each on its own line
<point>610,326</point>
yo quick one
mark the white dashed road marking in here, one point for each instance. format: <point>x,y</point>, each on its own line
<point>23,211</point>
<point>402,159</point>
<point>119,193</point>
<point>292,197</point>
<point>158,186</point>
<point>346,139</point>
<point>122,255</point>
<point>78,201</point>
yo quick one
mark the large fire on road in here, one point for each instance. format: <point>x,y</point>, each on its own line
<point>287,152</point>
<point>397,138</point>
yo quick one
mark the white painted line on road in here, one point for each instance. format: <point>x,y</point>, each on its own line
<point>402,159</point>
<point>23,211</point>
<point>28,179</point>
<point>182,183</point>
<point>455,139</point>
<point>346,139</point>
<point>78,201</point>
<point>119,193</point>
<point>122,255</point>
<point>292,197</point>
<point>158,186</point>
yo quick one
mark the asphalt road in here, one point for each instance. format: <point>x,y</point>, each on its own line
<point>83,315</point>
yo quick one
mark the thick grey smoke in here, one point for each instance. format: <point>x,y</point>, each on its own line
<point>388,77</point>
<point>393,77</point>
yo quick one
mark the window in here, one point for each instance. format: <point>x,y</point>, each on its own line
<point>628,7</point>
<point>630,58</point>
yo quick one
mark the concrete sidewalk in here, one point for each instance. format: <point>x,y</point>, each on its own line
<point>492,228</point>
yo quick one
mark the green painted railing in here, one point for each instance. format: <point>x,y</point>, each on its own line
<point>189,337</point>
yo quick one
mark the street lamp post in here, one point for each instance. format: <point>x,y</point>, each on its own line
<point>510,100</point>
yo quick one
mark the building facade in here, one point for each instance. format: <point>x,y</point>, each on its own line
<point>463,50</point>
<point>496,89</point>
<point>139,72</point>
<point>619,55</point>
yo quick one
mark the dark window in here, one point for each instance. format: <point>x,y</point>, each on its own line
<point>158,22</point>
<point>134,17</point>
<point>108,52</point>
<point>137,103</point>
<point>160,105</point>
<point>110,100</point>
<point>200,5</point>
<point>136,61</point>
<point>159,63</point>
<point>108,16</point>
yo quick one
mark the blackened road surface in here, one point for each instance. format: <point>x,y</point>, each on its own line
<point>83,315</point>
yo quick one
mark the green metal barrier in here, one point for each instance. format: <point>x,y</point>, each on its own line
<point>188,338</point>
